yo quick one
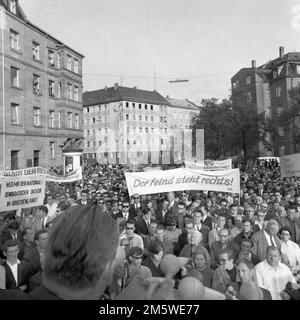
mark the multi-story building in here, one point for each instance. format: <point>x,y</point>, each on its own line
<point>268,88</point>
<point>128,125</point>
<point>40,93</point>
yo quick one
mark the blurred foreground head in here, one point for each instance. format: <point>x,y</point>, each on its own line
<point>80,254</point>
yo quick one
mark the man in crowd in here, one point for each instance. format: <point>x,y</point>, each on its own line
<point>135,240</point>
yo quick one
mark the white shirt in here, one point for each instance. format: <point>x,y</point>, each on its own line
<point>14,270</point>
<point>273,279</point>
<point>290,252</point>
<point>198,227</point>
<point>135,241</point>
<point>125,215</point>
<point>51,210</point>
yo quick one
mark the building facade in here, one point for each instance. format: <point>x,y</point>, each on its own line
<point>268,88</point>
<point>40,93</point>
<point>132,126</point>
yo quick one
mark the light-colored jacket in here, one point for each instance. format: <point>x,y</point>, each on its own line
<point>2,278</point>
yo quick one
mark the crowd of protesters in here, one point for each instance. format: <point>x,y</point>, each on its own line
<point>241,246</point>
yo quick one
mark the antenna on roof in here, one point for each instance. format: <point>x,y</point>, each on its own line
<point>154,70</point>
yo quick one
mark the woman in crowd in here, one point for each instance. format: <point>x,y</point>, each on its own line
<point>155,254</point>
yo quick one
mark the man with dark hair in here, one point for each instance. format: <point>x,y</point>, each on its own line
<point>14,233</point>
<point>246,233</point>
<point>84,201</point>
<point>28,243</point>
<point>163,212</point>
<point>115,211</point>
<point>33,257</point>
<point>135,240</point>
<point>246,245</point>
<point>16,272</point>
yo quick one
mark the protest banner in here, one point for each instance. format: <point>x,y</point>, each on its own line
<point>21,189</point>
<point>212,165</point>
<point>290,165</point>
<point>181,180</point>
<point>46,174</point>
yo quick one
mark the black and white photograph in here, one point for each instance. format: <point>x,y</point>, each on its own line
<point>149,151</point>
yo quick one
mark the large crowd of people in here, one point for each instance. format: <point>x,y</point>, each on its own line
<point>91,240</point>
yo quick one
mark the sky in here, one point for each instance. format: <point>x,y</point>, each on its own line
<point>203,41</point>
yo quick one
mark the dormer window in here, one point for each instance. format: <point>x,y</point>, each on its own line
<point>13,6</point>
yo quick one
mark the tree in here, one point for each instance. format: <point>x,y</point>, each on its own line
<point>290,119</point>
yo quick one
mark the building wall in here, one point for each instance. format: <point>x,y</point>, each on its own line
<point>24,136</point>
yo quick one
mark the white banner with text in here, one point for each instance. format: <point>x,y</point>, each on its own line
<point>181,180</point>
<point>290,165</point>
<point>212,165</point>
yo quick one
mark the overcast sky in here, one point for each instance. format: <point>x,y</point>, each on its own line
<point>205,41</point>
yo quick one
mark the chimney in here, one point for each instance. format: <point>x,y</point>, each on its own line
<point>105,88</point>
<point>253,62</point>
<point>116,86</point>
<point>168,97</point>
<point>281,52</point>
<point>134,88</point>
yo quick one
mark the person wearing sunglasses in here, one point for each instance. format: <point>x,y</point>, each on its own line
<point>135,240</point>
<point>135,207</point>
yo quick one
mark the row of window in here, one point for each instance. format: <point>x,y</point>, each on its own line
<point>90,144</point>
<point>127,104</point>
<point>53,90</point>
<point>54,58</point>
<point>15,117</point>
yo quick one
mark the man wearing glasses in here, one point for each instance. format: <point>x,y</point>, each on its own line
<point>125,210</point>
<point>135,207</point>
<point>134,239</point>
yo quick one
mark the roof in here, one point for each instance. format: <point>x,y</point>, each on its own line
<point>186,104</point>
<point>21,15</point>
<point>73,145</point>
<point>118,93</point>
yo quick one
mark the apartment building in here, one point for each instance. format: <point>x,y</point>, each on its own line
<point>40,93</point>
<point>268,88</point>
<point>129,125</point>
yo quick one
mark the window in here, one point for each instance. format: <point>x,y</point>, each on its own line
<point>151,108</point>
<point>127,105</point>
<point>35,51</point>
<point>282,150</point>
<point>152,118</point>
<point>59,61</point>
<point>59,90</point>
<point>51,58</point>
<point>94,120</point>
<point>76,94</point>
<point>36,158</point>
<point>280,131</point>
<point>141,130</point>
<point>87,109</point>
<point>146,107</point>
<point>140,118</point>
<point>140,106</point>
<point>279,110</point>
<point>88,144</point>
<point>146,130</point>
<point>249,96</point>
<point>88,132</point>
<point>161,119</point>
<point>275,73</point>
<point>14,155</point>
<point>36,84</point>
<point>51,88</point>
<point>14,113</point>
<point>100,143</point>
<point>59,120</point>
<point>36,116</point>
<point>175,115</point>
<point>76,121</point>
<point>152,130</point>
<point>278,91</point>
<point>69,62</point>
<point>70,91</point>
<point>146,118</point>
<point>14,72</point>
<point>248,80</point>
<point>51,119</point>
<point>127,116</point>
<point>234,85</point>
<point>52,150</point>
<point>13,6</point>
<point>76,66</point>
<point>70,120</point>
<point>133,117</point>
<point>14,40</point>
<point>133,105</point>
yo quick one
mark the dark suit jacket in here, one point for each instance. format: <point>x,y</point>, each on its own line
<point>5,236</point>
<point>33,259</point>
<point>215,249</point>
<point>208,222</point>
<point>159,217</point>
<point>260,244</point>
<point>89,203</point>
<point>204,231</point>
<point>141,226</point>
<point>133,213</point>
<point>117,215</point>
<point>23,273</point>
<point>182,241</point>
